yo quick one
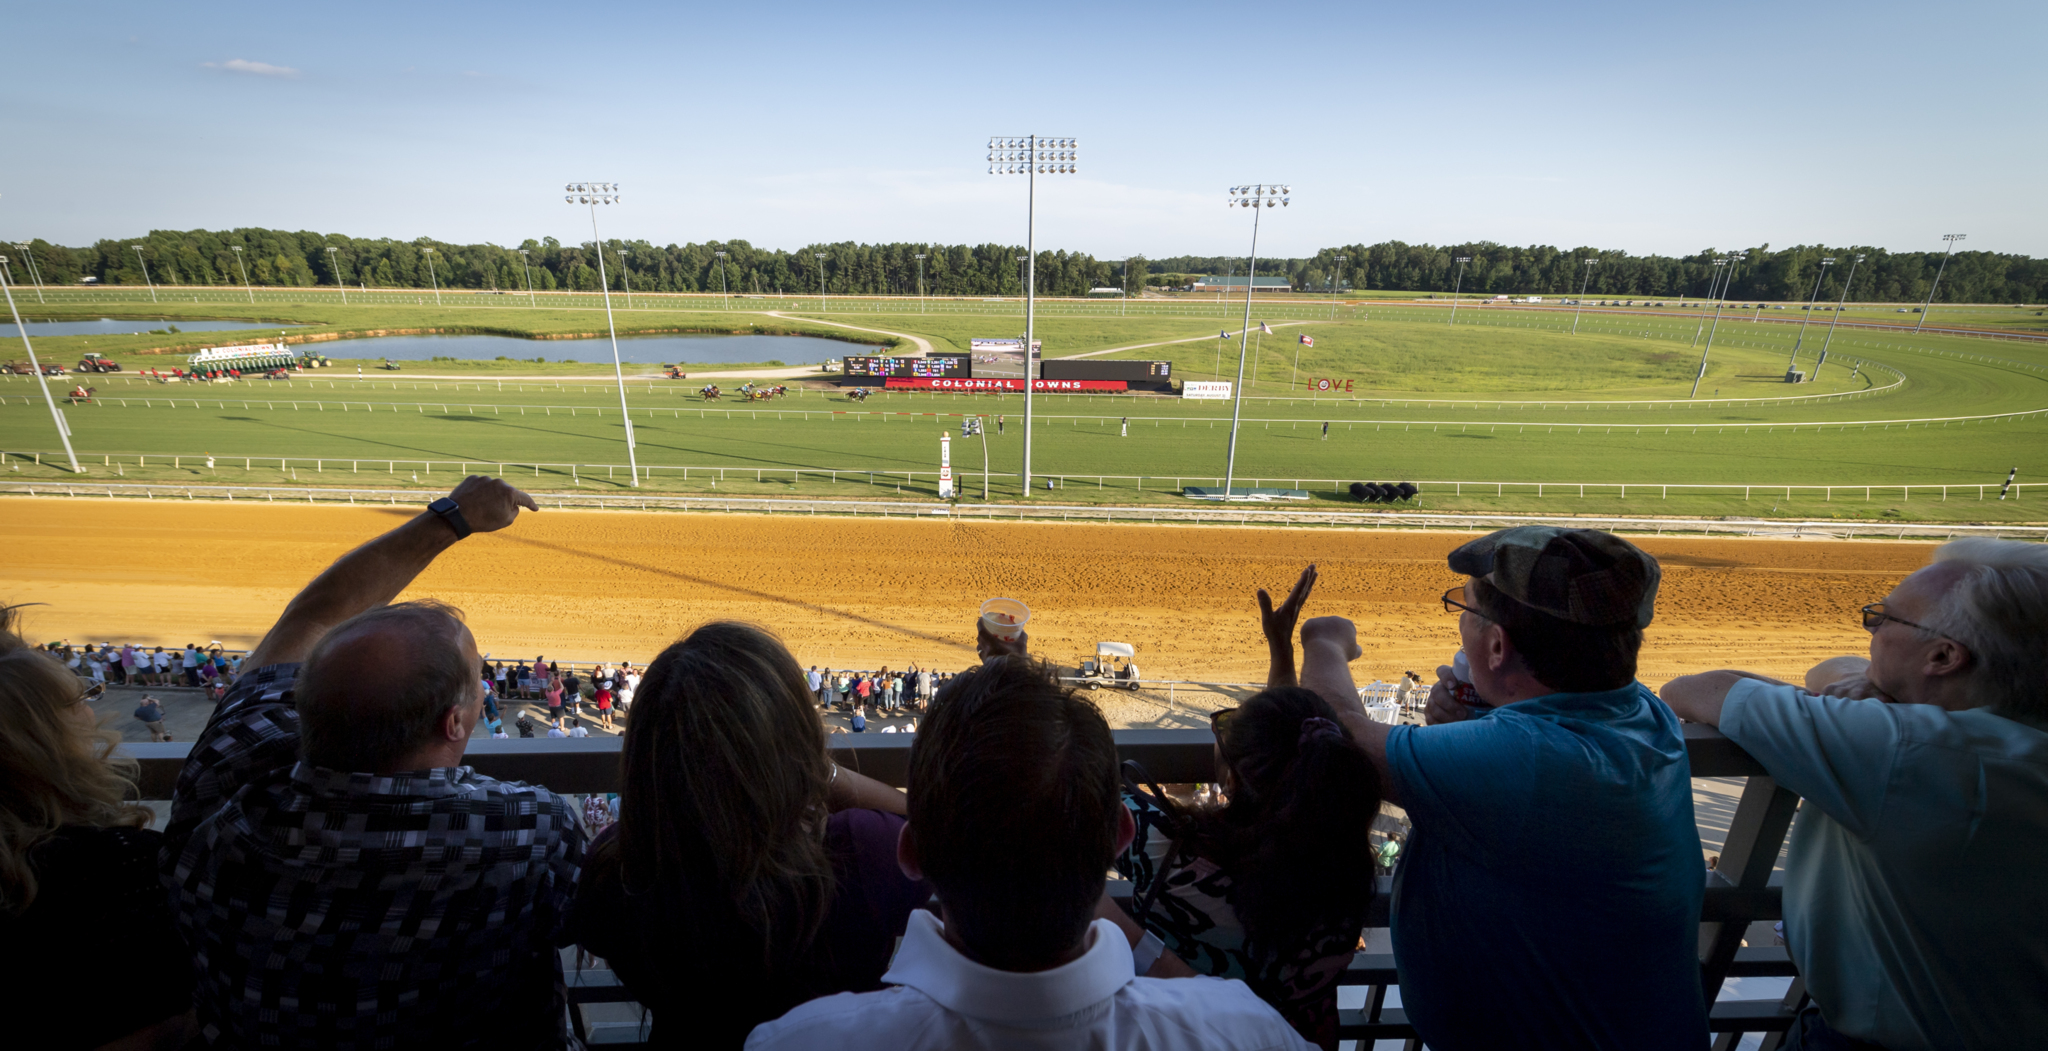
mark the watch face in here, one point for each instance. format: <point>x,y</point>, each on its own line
<point>442,506</point>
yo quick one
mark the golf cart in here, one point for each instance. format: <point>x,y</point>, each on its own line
<point>1113,666</point>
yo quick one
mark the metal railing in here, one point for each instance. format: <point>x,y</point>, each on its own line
<point>1232,515</point>
<point>1739,891</point>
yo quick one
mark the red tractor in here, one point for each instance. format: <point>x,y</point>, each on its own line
<point>98,363</point>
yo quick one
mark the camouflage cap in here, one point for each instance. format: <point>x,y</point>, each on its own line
<point>1583,576</point>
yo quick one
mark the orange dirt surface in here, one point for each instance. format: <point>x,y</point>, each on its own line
<point>857,592</point>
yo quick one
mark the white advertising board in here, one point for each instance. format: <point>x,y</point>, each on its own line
<point>1205,389</point>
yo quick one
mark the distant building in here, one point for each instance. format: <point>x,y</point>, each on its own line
<point>1105,291</point>
<point>1236,284</point>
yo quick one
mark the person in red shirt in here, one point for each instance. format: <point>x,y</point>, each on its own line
<point>604,703</point>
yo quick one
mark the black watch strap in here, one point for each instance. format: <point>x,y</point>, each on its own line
<point>451,513</point>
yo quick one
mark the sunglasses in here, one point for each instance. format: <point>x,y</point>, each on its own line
<point>93,693</point>
<point>1220,720</point>
<point>1452,605</point>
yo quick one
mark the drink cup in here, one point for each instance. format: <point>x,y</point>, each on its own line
<point>1005,618</point>
<point>1462,689</point>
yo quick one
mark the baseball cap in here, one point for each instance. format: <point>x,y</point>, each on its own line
<point>1584,576</point>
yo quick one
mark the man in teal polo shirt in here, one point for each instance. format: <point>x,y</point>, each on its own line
<point>1549,893</point>
<point>1915,903</point>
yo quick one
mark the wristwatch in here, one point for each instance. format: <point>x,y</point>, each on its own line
<point>451,513</point>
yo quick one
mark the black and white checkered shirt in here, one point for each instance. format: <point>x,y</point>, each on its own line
<point>341,910</point>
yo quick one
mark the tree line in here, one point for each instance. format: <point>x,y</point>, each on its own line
<point>278,258</point>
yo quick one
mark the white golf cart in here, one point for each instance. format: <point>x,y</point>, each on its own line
<point>1113,666</point>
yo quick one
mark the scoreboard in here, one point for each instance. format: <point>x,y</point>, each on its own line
<point>935,366</point>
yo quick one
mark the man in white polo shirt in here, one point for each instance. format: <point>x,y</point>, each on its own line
<point>1915,902</point>
<point>1015,816</point>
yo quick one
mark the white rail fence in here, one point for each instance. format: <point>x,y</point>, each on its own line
<point>1239,515</point>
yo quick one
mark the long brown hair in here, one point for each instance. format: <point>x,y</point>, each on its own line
<point>723,774</point>
<point>56,772</point>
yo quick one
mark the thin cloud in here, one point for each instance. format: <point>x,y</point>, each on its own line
<point>261,69</point>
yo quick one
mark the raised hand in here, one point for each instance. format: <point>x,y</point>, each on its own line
<point>988,647</point>
<point>1278,625</point>
<point>490,504</point>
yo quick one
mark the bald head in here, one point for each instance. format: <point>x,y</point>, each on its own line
<point>389,689</point>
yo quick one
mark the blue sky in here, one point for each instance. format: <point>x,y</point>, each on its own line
<point>1651,128</point>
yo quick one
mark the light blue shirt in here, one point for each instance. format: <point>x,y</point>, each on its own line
<point>1916,891</point>
<point>1549,895</point>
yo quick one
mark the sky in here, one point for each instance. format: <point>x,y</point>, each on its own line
<point>1647,128</point>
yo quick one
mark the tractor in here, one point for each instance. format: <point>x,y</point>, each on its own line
<point>98,363</point>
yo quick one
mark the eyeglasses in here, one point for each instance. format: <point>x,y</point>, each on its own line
<point>1874,616</point>
<point>1452,605</point>
<point>1220,720</point>
<point>93,693</point>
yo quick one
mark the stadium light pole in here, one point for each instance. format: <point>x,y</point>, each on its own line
<point>526,267</point>
<point>920,296</point>
<point>594,194</point>
<point>1811,301</point>
<point>1728,262</point>
<point>1951,239</point>
<point>1031,156</point>
<point>1853,264</point>
<point>723,295</point>
<point>56,417</point>
<point>1338,287</point>
<point>1459,284</point>
<point>246,287</point>
<point>334,264</point>
<point>1257,197</point>
<point>1580,307</point>
<point>1713,293</point>
<point>431,276</point>
<point>626,275</point>
<point>33,273</point>
<point>145,272</point>
<point>820,257</point>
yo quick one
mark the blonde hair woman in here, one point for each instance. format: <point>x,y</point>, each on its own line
<point>78,867</point>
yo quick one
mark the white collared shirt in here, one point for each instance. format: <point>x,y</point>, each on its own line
<point>940,999</point>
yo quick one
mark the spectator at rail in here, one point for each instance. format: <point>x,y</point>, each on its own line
<point>604,706</point>
<point>741,839</point>
<point>190,661</point>
<point>1553,859</point>
<point>1267,888</point>
<point>150,713</point>
<point>128,661</point>
<point>1015,818</point>
<point>78,872</point>
<point>318,910</point>
<point>845,689</point>
<point>628,687</point>
<point>553,693</point>
<point>160,667</point>
<point>1914,904</point>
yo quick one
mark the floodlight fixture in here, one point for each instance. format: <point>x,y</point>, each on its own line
<point>1248,196</point>
<point>1031,156</point>
<point>590,195</point>
<point>1950,240</point>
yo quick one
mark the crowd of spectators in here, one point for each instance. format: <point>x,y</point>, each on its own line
<point>331,875</point>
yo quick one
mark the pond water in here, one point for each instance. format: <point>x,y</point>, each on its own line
<point>636,350</point>
<point>108,326</point>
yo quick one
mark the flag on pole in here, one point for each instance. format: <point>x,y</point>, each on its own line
<point>1263,328</point>
<point>1308,340</point>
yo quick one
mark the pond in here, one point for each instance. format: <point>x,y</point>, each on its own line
<point>634,350</point>
<point>109,326</point>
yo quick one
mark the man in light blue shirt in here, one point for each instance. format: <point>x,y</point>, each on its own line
<point>1915,900</point>
<point>1549,893</point>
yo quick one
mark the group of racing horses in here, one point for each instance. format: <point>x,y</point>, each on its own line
<point>747,392</point>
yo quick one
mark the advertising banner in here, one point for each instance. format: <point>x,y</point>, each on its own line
<point>1042,386</point>
<point>1097,369</point>
<point>1207,389</point>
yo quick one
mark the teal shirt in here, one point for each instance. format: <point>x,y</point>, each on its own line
<point>1549,895</point>
<point>1916,889</point>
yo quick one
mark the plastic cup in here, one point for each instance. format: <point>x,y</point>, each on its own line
<point>1005,617</point>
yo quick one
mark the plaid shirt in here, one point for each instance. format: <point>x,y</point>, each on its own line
<point>338,910</point>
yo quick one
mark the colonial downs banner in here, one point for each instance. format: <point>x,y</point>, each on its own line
<point>998,384</point>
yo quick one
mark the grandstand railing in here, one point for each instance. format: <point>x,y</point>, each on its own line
<point>1740,890</point>
<point>1209,514</point>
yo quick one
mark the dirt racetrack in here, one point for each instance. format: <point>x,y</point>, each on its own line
<point>852,592</point>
